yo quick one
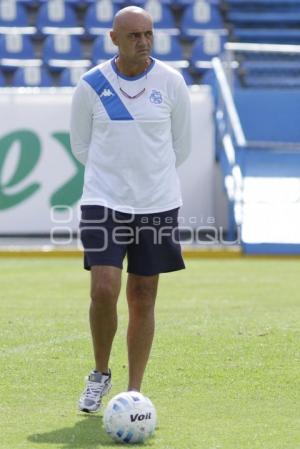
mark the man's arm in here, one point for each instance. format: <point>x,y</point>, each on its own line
<point>81,123</point>
<point>181,124</point>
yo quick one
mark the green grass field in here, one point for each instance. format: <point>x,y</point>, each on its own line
<point>224,371</point>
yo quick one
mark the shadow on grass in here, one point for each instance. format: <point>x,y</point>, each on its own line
<point>85,434</point>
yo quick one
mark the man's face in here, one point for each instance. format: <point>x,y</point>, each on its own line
<point>134,39</point>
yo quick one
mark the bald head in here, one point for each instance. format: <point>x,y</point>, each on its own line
<point>129,16</point>
<point>133,35</point>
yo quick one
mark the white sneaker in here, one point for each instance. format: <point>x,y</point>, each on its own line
<point>97,386</point>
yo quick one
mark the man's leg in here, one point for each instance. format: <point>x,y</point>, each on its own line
<point>105,289</point>
<point>141,295</point>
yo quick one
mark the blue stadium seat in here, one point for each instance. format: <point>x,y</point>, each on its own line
<point>99,17</point>
<point>199,16</point>
<point>191,2</point>
<point>16,50</point>
<point>269,66</point>
<point>63,50</point>
<point>32,77</point>
<point>13,14</point>
<point>55,16</point>
<point>2,80</point>
<point>206,47</point>
<point>187,77</point>
<point>262,2</point>
<point>259,18</point>
<point>140,3</point>
<point>29,2</point>
<point>103,49</point>
<point>163,19</point>
<point>268,35</point>
<point>272,81</point>
<point>73,3</point>
<point>120,3</point>
<point>71,76</point>
<point>168,48</point>
<point>183,3</point>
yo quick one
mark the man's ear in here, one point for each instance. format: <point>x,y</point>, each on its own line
<point>113,37</point>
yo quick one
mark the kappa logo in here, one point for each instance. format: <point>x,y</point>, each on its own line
<point>156,97</point>
<point>106,93</point>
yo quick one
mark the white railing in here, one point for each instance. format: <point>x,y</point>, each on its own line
<point>262,48</point>
<point>229,102</point>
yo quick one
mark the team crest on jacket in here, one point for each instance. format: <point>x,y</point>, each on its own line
<point>156,97</point>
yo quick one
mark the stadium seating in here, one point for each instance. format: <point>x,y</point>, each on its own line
<point>274,18</point>
<point>29,2</point>
<point>73,3</point>
<point>279,70</point>
<point>91,20</point>
<point>71,76</point>
<point>167,48</point>
<point>271,82</point>
<point>199,16</point>
<point>267,35</point>
<point>141,3</point>
<point>2,80</point>
<point>99,17</point>
<point>56,16</point>
<point>268,22</point>
<point>13,18</point>
<point>207,46</point>
<point>185,3</point>
<point>17,50</point>
<point>264,20</point>
<point>271,65</point>
<point>63,50</point>
<point>103,49</point>
<point>246,3</point>
<point>163,19</point>
<point>32,77</point>
<point>187,77</point>
<point>123,3</point>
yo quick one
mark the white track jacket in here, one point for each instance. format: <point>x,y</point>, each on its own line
<point>131,147</point>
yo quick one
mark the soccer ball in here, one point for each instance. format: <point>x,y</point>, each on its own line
<point>130,417</point>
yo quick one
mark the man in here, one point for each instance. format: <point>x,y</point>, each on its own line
<point>130,125</point>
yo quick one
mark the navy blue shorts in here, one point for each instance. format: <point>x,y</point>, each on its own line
<point>150,241</point>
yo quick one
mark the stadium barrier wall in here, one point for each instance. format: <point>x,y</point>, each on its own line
<point>41,182</point>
